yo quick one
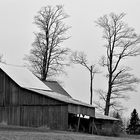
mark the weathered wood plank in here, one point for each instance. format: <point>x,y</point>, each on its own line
<point>76,109</point>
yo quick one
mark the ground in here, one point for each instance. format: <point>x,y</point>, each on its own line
<point>17,134</point>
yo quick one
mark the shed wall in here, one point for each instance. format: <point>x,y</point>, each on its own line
<point>76,109</point>
<point>104,125</point>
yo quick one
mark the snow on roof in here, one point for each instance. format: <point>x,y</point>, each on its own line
<point>61,97</point>
<point>104,117</point>
<point>23,77</point>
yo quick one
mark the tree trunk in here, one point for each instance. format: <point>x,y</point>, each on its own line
<point>91,81</point>
<point>43,74</point>
<point>45,60</point>
<point>107,105</point>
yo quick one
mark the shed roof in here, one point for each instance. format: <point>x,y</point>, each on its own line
<point>56,87</point>
<point>23,77</point>
<point>104,117</point>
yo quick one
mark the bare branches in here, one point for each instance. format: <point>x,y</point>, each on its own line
<point>124,82</point>
<point>115,103</point>
<point>81,58</point>
<point>121,42</point>
<point>47,55</point>
<point>1,58</point>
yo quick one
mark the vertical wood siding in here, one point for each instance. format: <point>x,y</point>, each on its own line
<point>12,94</point>
<point>75,109</point>
<point>19,106</point>
<point>53,117</point>
<point>1,88</point>
<point>22,107</point>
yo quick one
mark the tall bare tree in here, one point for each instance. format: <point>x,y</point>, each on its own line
<point>121,43</point>
<point>81,58</point>
<point>47,55</point>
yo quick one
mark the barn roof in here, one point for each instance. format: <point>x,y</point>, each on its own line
<point>56,87</point>
<point>27,80</point>
<point>104,117</point>
<point>60,97</point>
<point>23,77</point>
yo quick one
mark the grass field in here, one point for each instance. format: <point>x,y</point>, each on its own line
<point>34,135</point>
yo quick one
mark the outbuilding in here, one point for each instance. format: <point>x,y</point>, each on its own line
<point>27,101</point>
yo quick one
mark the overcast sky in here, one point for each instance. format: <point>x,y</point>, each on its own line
<point>16,37</point>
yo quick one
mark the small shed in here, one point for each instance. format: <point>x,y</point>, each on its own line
<point>104,122</point>
<point>27,101</point>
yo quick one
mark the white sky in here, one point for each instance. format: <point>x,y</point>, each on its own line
<point>16,37</point>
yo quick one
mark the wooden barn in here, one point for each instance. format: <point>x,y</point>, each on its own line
<point>27,101</point>
<point>101,122</point>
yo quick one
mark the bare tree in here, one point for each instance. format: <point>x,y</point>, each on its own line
<point>47,55</point>
<point>81,58</point>
<point>0,58</point>
<point>121,43</point>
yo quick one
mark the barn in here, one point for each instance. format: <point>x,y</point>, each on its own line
<point>102,123</point>
<point>27,101</point>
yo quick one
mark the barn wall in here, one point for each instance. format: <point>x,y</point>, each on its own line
<point>19,106</point>
<point>53,117</point>
<point>1,87</point>
<point>10,115</point>
<point>32,98</point>
<point>22,107</point>
<point>12,94</point>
